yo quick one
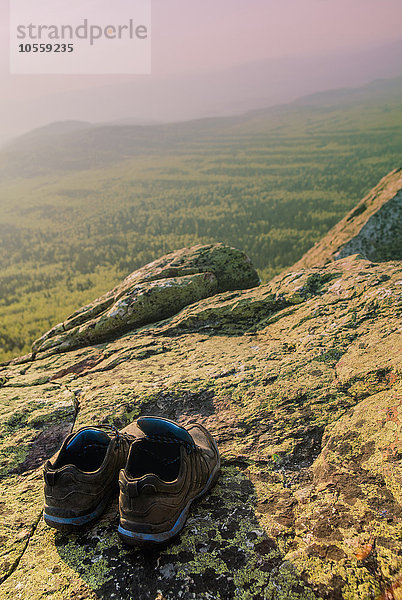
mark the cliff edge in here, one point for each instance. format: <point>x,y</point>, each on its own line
<point>372,229</point>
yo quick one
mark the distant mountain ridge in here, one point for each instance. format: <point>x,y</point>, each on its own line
<point>60,128</point>
<point>69,145</point>
<point>349,95</point>
<point>56,128</point>
<point>228,91</point>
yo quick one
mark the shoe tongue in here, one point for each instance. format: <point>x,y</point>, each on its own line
<point>155,426</point>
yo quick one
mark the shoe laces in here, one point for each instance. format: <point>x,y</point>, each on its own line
<point>165,439</point>
<point>119,436</point>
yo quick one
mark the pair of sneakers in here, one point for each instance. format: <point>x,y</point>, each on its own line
<point>159,466</point>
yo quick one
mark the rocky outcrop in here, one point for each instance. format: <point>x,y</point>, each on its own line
<point>299,380</point>
<point>372,228</point>
<point>158,290</point>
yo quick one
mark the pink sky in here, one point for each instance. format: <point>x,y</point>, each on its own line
<point>191,36</point>
<point>213,33</point>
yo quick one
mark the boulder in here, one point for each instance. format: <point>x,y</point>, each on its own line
<point>158,290</point>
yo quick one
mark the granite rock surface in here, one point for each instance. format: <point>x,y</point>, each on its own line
<point>299,381</point>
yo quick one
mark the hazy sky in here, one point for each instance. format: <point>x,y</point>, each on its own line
<point>213,33</point>
<point>190,36</point>
<point>193,35</point>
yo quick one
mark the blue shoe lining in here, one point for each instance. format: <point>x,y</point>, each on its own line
<point>156,426</point>
<point>86,437</point>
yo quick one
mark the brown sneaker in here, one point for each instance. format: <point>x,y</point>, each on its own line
<point>82,476</point>
<point>166,470</point>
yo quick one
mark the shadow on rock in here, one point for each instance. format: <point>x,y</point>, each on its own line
<point>222,553</point>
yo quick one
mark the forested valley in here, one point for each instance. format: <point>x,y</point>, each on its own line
<point>82,209</point>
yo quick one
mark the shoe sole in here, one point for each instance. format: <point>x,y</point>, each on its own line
<point>72,523</point>
<point>134,538</point>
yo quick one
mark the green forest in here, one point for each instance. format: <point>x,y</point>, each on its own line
<point>81,210</point>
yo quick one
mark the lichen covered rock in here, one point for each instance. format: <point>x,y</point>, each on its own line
<point>152,293</point>
<point>371,229</point>
<point>299,381</point>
